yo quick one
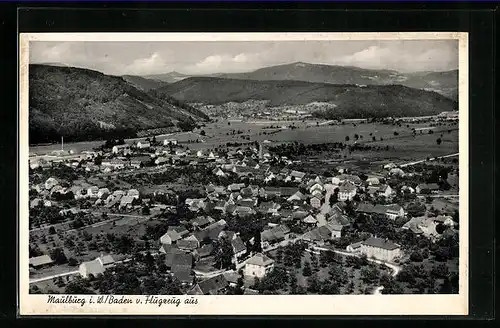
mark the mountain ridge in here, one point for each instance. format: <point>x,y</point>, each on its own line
<point>444,82</point>
<point>349,100</point>
<point>84,104</point>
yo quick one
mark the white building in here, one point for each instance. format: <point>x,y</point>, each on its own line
<point>167,142</point>
<point>380,249</point>
<point>143,144</point>
<point>97,266</point>
<point>347,191</point>
<point>121,149</point>
<point>258,266</point>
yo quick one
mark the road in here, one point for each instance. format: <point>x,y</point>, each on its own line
<point>325,208</point>
<point>442,196</point>
<point>425,160</point>
<point>64,274</point>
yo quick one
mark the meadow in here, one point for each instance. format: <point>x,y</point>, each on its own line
<point>402,144</point>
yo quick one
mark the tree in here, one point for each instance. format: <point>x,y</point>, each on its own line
<point>369,275</point>
<point>202,132</point>
<point>338,275</point>
<point>416,257</point>
<point>275,280</point>
<point>306,272</point>
<point>72,262</point>
<point>146,210</point>
<point>347,138</point>
<point>446,287</point>
<point>438,141</point>
<point>223,252</point>
<point>52,230</point>
<point>58,256</point>
<point>440,271</point>
<point>313,285</point>
<point>279,255</point>
<point>416,209</point>
<point>77,286</point>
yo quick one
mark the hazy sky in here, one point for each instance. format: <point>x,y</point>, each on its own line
<point>144,58</point>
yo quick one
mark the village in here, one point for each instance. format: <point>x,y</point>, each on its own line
<point>155,217</point>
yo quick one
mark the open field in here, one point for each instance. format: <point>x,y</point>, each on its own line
<point>402,146</point>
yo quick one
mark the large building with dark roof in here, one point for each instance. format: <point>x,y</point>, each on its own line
<point>380,249</point>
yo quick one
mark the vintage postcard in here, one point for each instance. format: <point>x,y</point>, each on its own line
<point>243,174</point>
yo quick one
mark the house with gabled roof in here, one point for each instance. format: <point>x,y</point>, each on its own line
<point>316,186</point>
<point>124,149</point>
<point>126,202</point>
<point>189,243</point>
<point>310,220</point>
<point>347,191</point>
<point>297,197</point>
<point>384,190</point>
<point>211,232</point>
<point>41,261</point>
<point>143,144</point>
<point>269,208</point>
<point>274,235</point>
<point>239,248</point>
<point>202,222</point>
<point>243,211</point>
<point>321,234</point>
<point>392,211</point>
<point>211,286</point>
<point>96,266</point>
<point>316,201</point>
<point>170,237</point>
<point>295,176</point>
<point>247,202</point>
<point>236,186</point>
<point>381,249</point>
<point>427,188</point>
<point>258,266</point>
<point>204,251</point>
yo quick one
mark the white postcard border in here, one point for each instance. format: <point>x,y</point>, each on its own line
<point>248,304</point>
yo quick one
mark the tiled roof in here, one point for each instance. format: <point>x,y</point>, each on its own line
<point>260,260</point>
<point>238,245</point>
<point>183,274</point>
<point>40,260</point>
<point>187,244</point>
<point>213,285</point>
<point>182,259</point>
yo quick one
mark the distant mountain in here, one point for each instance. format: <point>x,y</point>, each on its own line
<point>143,83</point>
<point>173,77</point>
<point>349,100</point>
<point>82,104</point>
<point>445,83</point>
<point>56,64</point>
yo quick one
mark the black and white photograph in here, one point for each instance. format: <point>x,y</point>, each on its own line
<point>180,168</point>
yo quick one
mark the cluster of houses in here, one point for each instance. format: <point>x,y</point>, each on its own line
<point>123,199</point>
<point>287,197</point>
